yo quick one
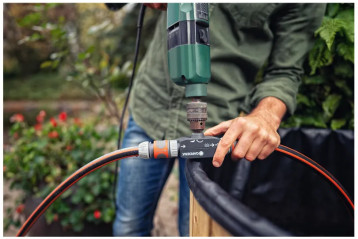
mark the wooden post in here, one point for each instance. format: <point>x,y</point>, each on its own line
<point>201,224</point>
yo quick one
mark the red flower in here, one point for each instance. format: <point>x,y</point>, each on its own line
<point>55,217</point>
<point>40,117</point>
<point>38,126</point>
<point>17,118</point>
<point>16,135</point>
<point>53,135</point>
<point>97,214</point>
<point>77,121</point>
<point>53,122</point>
<point>69,147</point>
<point>20,208</point>
<point>62,116</point>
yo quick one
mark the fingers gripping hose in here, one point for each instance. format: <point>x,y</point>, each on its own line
<point>71,180</point>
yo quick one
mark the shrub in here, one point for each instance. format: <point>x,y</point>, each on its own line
<point>43,155</point>
<point>326,96</point>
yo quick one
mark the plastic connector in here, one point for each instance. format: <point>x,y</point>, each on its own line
<point>158,149</point>
<point>143,150</point>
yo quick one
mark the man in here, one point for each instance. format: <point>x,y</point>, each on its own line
<point>243,37</point>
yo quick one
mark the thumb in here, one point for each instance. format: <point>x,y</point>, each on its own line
<point>218,129</point>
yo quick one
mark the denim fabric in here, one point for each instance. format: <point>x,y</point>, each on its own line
<point>140,183</point>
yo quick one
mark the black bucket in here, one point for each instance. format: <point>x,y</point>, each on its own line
<point>280,196</point>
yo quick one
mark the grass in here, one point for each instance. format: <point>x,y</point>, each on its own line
<point>42,86</point>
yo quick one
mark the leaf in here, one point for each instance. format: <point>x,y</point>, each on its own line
<point>34,37</point>
<point>330,104</point>
<point>96,189</point>
<point>90,49</point>
<point>30,19</point>
<point>347,16</point>
<point>351,124</point>
<point>46,64</point>
<point>49,217</point>
<point>346,50</point>
<point>316,121</point>
<point>342,84</point>
<point>76,198</point>
<point>329,29</point>
<point>319,56</point>
<point>302,99</point>
<point>78,227</point>
<point>82,56</point>
<point>337,123</point>
<point>332,9</point>
<point>55,64</point>
<point>343,69</point>
<point>313,80</point>
<point>88,198</point>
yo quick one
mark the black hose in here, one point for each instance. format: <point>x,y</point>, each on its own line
<point>137,44</point>
<point>71,180</point>
<point>320,170</point>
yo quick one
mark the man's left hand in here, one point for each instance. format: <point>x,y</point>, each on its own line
<point>256,133</point>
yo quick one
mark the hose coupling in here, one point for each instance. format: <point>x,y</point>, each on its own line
<point>158,149</point>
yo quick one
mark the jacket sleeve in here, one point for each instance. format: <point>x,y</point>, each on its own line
<point>293,27</point>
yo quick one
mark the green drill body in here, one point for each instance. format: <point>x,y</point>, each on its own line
<point>188,46</point>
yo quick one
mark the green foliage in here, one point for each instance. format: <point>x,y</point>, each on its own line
<point>326,96</point>
<point>90,44</point>
<point>42,156</point>
<point>42,86</point>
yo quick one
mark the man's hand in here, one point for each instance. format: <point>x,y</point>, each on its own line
<point>256,133</point>
<point>160,6</point>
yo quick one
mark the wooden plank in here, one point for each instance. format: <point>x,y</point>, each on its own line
<point>217,230</point>
<point>199,219</point>
<point>201,224</point>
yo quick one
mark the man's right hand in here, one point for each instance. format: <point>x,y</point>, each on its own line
<point>160,6</point>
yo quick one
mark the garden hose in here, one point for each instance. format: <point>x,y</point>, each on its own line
<point>319,169</point>
<point>71,180</point>
<point>187,147</point>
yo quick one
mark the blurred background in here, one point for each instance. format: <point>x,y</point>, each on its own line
<point>66,71</point>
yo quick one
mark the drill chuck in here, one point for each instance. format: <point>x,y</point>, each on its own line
<point>197,115</point>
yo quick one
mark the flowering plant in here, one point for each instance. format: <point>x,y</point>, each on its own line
<point>43,155</point>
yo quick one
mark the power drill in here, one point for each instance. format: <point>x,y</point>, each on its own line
<point>189,56</point>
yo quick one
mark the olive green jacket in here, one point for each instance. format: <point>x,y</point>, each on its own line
<point>243,37</point>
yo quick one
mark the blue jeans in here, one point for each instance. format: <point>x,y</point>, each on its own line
<point>140,183</point>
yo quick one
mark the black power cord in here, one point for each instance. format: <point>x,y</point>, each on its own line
<point>139,32</point>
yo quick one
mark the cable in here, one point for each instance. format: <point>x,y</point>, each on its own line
<point>137,44</point>
<point>318,168</point>
<point>71,180</point>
